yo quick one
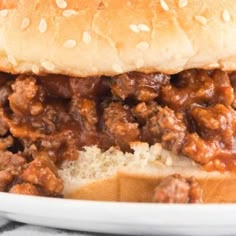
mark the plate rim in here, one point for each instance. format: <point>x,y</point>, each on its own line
<point>194,215</point>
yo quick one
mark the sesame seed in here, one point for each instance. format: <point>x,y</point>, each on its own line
<point>35,69</point>
<point>43,26</point>
<point>134,28</point>
<point>226,16</point>
<point>69,12</point>
<point>201,19</point>
<point>86,37</point>
<point>117,68</point>
<point>183,3</point>
<point>48,65</point>
<point>138,28</point>
<point>25,23</point>
<point>69,43</point>
<point>12,60</point>
<point>143,27</point>
<point>4,12</point>
<point>61,3</point>
<point>164,5</point>
<point>142,46</point>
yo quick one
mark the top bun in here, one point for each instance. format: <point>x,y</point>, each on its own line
<point>108,37</point>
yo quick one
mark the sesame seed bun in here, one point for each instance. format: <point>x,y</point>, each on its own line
<point>107,37</point>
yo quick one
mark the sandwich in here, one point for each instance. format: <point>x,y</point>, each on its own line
<point>129,100</point>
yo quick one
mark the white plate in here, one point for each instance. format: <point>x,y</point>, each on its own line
<point>121,218</point>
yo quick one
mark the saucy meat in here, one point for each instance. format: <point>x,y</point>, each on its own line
<point>176,189</point>
<point>44,175</point>
<point>46,120</point>
<point>119,122</point>
<point>138,85</point>
<point>200,87</point>
<point>25,188</point>
<point>166,127</point>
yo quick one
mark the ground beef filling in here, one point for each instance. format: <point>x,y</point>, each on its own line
<point>45,120</point>
<point>176,189</point>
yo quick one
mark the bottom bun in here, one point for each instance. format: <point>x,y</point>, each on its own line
<point>133,177</point>
<point>133,188</point>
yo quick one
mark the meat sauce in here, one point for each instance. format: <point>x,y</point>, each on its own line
<point>46,120</point>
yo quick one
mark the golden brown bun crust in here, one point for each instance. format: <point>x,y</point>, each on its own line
<point>128,187</point>
<point>92,37</point>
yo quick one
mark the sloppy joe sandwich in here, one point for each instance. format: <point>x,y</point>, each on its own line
<point>129,100</point>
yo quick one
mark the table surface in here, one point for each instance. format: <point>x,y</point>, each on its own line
<point>9,228</point>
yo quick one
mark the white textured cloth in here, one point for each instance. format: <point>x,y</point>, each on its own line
<point>9,228</point>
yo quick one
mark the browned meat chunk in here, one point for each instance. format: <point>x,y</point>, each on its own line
<point>3,125</point>
<point>56,86</point>
<point>89,87</point>
<point>11,162</point>
<point>6,143</point>
<point>25,188</point>
<point>143,111</point>
<point>198,149</point>
<point>223,90</point>
<point>41,173</point>
<point>198,87</point>
<point>5,92</point>
<point>5,179</point>
<point>216,127</point>
<point>51,120</point>
<point>217,122</point>
<point>233,83</point>
<point>62,146</point>
<point>84,111</point>
<point>166,127</point>
<point>176,189</point>
<point>195,192</point>
<point>27,97</point>
<point>120,124</point>
<point>143,87</point>
<point>11,166</point>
